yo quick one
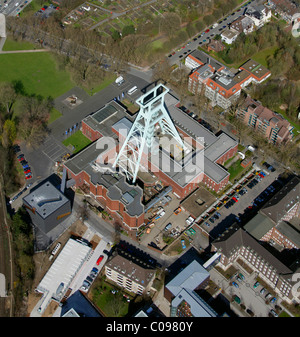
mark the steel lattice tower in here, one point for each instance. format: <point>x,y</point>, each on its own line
<point>142,132</point>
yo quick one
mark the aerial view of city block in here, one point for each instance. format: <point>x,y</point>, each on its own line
<point>150,159</point>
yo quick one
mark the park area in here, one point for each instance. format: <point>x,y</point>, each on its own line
<point>37,72</point>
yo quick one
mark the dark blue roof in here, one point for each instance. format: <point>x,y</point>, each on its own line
<point>81,305</point>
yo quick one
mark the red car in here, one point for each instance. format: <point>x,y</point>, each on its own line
<point>99,260</point>
<point>235,199</point>
<point>27,171</point>
<point>207,30</point>
<point>28,177</point>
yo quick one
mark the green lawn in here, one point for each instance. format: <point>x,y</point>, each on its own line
<point>78,140</point>
<point>54,114</point>
<point>235,169</point>
<point>106,82</point>
<point>17,45</point>
<point>262,55</point>
<point>113,305</point>
<point>37,71</point>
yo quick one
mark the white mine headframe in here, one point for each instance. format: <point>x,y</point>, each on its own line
<point>141,136</point>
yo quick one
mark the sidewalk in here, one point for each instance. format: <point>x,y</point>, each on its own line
<point>160,301</point>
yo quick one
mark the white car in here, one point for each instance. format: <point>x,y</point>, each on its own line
<point>189,220</point>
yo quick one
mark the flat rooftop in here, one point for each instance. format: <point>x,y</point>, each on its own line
<point>255,68</point>
<point>90,161</point>
<point>103,119</point>
<point>198,202</point>
<point>62,271</point>
<point>46,199</point>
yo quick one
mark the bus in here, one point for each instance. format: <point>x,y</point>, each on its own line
<point>132,90</point>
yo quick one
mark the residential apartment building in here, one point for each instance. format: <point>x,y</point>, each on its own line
<point>285,8</point>
<point>273,223</point>
<point>243,24</point>
<point>269,124</point>
<point>236,244</point>
<point>181,292</point>
<point>229,35</point>
<point>219,84</point>
<point>130,273</point>
<point>259,14</point>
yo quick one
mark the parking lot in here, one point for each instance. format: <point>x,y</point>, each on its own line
<point>248,290</point>
<point>159,227</point>
<point>53,149</point>
<point>247,202</point>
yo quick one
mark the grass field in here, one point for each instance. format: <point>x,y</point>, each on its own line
<point>261,56</point>
<point>37,72</point>
<point>17,45</point>
<point>54,114</point>
<point>235,170</point>
<point>105,83</point>
<point>78,140</point>
<point>113,305</point>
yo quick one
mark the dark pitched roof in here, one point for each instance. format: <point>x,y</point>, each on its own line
<point>235,237</point>
<point>282,201</point>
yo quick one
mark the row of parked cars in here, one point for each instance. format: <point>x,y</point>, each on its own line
<point>23,162</point>
<point>89,279</point>
<point>20,193</point>
<point>194,116</point>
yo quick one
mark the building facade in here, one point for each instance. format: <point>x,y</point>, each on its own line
<point>219,84</point>
<point>235,243</point>
<point>129,274</point>
<point>268,123</point>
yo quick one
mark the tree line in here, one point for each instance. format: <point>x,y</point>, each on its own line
<point>283,61</point>
<point>27,123</point>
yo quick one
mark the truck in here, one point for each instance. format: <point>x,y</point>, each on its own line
<point>119,80</point>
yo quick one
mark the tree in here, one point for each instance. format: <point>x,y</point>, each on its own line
<point>7,96</point>
<point>127,30</point>
<point>170,23</point>
<point>9,133</point>
<point>34,119</point>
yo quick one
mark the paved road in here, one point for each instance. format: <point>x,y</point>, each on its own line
<point>204,37</point>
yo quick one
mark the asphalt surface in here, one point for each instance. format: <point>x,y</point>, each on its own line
<point>12,7</point>
<point>240,211</point>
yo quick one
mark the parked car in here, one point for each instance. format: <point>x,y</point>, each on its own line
<point>268,296</point>
<point>273,313</point>
<point>262,291</point>
<point>99,260</point>
<point>183,244</point>
<point>169,225</point>
<point>235,284</point>
<point>273,300</point>
<point>256,284</point>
